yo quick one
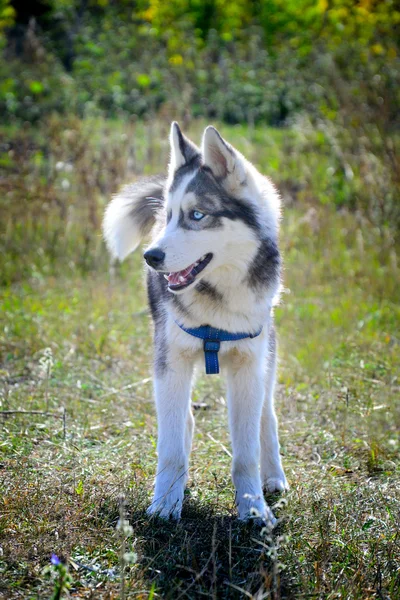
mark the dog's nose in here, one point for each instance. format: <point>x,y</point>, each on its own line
<point>154,257</point>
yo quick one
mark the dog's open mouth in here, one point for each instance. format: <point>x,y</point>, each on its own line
<point>181,279</point>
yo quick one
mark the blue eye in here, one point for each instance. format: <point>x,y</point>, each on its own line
<point>196,215</point>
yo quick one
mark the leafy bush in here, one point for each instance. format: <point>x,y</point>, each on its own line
<point>240,61</point>
<point>270,62</point>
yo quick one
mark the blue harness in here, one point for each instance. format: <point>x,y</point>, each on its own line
<point>212,341</point>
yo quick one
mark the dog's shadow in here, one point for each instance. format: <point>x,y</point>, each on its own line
<point>206,553</point>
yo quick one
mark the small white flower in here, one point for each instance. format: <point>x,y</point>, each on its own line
<point>123,525</point>
<point>130,557</point>
<point>46,363</point>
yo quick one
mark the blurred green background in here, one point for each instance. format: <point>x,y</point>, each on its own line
<point>244,61</point>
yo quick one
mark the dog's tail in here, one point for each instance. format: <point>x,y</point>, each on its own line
<point>131,214</point>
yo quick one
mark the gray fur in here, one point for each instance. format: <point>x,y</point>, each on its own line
<point>215,202</point>
<point>131,215</point>
<point>189,167</point>
<point>205,288</point>
<point>266,266</point>
<point>149,195</point>
<point>182,309</point>
<point>188,149</point>
<point>158,295</point>
<point>272,344</point>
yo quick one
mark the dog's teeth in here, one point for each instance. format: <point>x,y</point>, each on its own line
<point>181,279</point>
<point>166,277</point>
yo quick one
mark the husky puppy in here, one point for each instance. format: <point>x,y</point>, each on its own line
<point>213,266</point>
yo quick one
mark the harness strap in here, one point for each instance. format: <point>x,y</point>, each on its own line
<point>212,341</point>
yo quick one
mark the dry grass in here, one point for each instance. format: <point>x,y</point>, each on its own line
<point>338,534</point>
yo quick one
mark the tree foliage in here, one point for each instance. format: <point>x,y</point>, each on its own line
<point>7,16</point>
<point>242,60</point>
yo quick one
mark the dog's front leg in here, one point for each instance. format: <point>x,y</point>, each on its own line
<point>245,401</point>
<point>272,474</point>
<point>172,392</point>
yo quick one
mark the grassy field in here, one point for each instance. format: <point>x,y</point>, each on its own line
<point>75,336</point>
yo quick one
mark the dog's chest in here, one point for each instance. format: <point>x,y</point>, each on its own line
<point>224,308</point>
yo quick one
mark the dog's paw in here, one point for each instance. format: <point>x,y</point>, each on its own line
<point>168,507</point>
<point>273,479</point>
<point>254,508</point>
<point>276,484</point>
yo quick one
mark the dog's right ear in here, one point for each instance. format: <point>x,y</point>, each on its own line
<point>182,149</point>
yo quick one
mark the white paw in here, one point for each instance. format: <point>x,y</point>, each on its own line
<point>276,484</point>
<point>255,508</point>
<point>170,505</point>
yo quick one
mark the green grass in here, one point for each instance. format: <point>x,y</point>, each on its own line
<point>337,401</point>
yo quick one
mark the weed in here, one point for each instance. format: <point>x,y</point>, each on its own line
<point>59,574</point>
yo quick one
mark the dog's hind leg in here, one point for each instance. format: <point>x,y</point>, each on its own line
<point>272,475</point>
<point>172,392</point>
<point>245,400</point>
<point>189,431</point>
<point>188,438</point>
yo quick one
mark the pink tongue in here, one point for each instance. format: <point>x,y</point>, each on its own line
<point>173,278</point>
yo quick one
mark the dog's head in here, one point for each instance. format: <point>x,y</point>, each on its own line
<point>219,210</point>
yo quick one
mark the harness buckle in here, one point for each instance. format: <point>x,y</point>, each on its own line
<point>211,345</point>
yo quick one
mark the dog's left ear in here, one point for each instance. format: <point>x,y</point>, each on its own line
<point>224,161</point>
<point>182,149</point>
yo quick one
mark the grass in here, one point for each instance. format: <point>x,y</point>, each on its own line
<point>76,336</point>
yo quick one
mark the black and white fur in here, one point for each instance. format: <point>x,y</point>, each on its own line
<point>234,291</point>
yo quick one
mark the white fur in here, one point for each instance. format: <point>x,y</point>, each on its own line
<point>252,420</point>
<point>175,429</point>
<point>177,158</point>
<point>248,365</point>
<point>223,160</point>
<point>122,234</point>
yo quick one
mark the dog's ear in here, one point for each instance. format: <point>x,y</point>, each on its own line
<point>182,149</point>
<point>225,162</point>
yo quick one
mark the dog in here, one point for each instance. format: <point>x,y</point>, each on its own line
<point>213,277</point>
